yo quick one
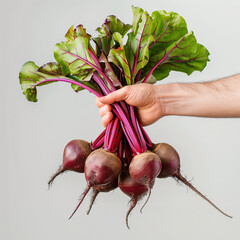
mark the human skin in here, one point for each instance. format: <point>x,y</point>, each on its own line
<point>219,98</point>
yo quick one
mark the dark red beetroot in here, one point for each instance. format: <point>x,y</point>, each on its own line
<point>171,168</point>
<point>101,172</point>
<point>74,156</point>
<point>132,188</point>
<point>144,168</point>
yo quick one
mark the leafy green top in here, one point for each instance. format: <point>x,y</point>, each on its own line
<point>156,44</point>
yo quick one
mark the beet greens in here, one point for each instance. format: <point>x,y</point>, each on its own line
<point>156,45</point>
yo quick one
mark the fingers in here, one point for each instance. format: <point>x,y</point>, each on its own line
<point>115,96</point>
<point>104,104</point>
<point>105,109</point>
<point>105,112</point>
<point>107,118</point>
<point>98,103</point>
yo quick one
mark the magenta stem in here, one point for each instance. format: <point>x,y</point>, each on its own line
<point>95,59</point>
<point>99,140</point>
<point>106,91</point>
<point>117,138</point>
<point>114,133</point>
<point>134,122</point>
<point>120,149</point>
<point>138,130</point>
<point>70,81</point>
<point>142,139</point>
<point>137,79</point>
<point>98,144</point>
<point>127,152</point>
<point>128,129</point>
<point>138,50</point>
<point>108,133</point>
<point>147,138</point>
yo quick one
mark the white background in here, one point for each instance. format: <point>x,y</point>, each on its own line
<point>33,135</point>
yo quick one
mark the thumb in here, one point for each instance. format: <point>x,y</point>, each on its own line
<point>116,96</point>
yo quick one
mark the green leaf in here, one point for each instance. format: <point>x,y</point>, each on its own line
<point>173,48</point>
<point>137,47</point>
<point>73,33</point>
<point>104,41</point>
<point>75,58</point>
<point>70,35</point>
<point>167,28</point>
<point>184,55</point>
<point>118,57</point>
<point>103,44</point>
<point>111,25</point>
<point>51,68</point>
<point>81,31</point>
<point>30,76</point>
<point>137,18</point>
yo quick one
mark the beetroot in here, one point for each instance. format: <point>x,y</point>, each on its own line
<point>74,156</point>
<point>101,172</point>
<point>145,167</point>
<point>171,168</point>
<point>170,160</point>
<point>132,188</point>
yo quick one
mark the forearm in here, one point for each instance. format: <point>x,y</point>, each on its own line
<point>220,98</point>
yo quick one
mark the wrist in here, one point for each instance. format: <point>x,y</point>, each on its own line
<point>172,98</point>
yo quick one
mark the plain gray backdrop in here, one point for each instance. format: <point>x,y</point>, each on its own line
<point>33,135</point>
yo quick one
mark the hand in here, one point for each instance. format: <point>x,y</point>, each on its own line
<point>219,98</point>
<point>142,96</point>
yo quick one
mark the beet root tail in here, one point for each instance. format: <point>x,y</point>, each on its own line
<point>81,200</point>
<point>59,171</point>
<point>149,194</point>
<point>185,181</point>
<point>95,193</point>
<point>133,204</point>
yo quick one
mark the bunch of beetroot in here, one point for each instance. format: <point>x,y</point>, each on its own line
<point>105,171</point>
<point>122,155</point>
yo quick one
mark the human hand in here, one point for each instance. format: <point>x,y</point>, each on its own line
<point>142,96</point>
<point>219,98</point>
